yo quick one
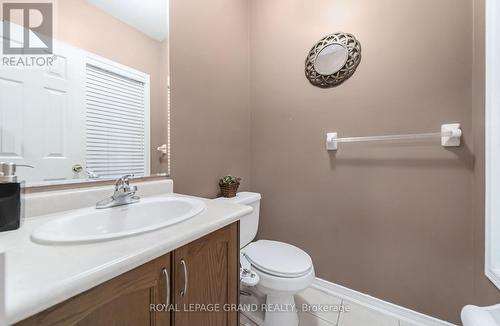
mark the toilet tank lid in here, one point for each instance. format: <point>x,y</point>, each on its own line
<point>243,198</point>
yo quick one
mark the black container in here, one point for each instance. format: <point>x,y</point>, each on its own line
<point>10,206</point>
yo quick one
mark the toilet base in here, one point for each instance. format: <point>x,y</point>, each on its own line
<point>281,311</point>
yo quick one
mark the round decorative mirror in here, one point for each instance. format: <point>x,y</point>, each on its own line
<point>333,60</point>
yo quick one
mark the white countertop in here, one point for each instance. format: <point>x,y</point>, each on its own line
<point>40,276</point>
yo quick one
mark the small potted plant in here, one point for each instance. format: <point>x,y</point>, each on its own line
<point>229,186</point>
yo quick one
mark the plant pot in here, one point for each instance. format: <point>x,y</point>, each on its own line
<point>229,191</point>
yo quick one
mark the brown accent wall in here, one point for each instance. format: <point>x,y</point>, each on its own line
<point>83,25</point>
<point>392,220</point>
<point>401,221</point>
<point>210,94</point>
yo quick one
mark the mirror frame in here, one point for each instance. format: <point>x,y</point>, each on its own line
<point>89,184</point>
<point>353,60</point>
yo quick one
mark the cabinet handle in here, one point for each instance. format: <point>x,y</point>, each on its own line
<point>167,287</point>
<point>184,266</point>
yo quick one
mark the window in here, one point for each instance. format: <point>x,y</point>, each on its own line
<point>117,121</point>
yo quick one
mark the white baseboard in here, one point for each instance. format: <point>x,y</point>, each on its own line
<point>384,307</point>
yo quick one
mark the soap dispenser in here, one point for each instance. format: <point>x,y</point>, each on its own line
<point>10,197</point>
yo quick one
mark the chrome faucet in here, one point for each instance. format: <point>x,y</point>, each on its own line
<point>91,174</point>
<point>124,194</point>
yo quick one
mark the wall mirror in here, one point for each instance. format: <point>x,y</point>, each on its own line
<point>333,60</point>
<point>93,103</point>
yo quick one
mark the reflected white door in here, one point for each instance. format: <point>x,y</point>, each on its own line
<point>42,117</point>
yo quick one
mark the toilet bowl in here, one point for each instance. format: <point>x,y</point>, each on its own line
<point>481,316</point>
<point>275,269</point>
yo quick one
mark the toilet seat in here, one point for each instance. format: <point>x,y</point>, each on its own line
<point>278,259</point>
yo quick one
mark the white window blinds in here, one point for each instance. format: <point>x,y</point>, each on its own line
<point>115,124</point>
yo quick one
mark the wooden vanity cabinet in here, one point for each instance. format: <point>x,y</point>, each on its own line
<point>206,279</point>
<point>124,300</point>
<point>204,272</point>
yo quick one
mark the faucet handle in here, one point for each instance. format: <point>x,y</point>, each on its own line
<point>127,177</point>
<point>123,181</point>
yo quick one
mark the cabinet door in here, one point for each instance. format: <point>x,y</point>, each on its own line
<point>206,273</point>
<point>122,301</point>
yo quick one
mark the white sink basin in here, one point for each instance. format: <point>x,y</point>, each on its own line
<point>91,225</point>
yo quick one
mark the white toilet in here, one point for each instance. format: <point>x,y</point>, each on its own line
<point>481,316</point>
<point>274,269</point>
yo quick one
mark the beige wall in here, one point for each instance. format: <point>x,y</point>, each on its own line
<point>87,27</point>
<point>210,94</point>
<point>391,220</point>
<point>401,221</point>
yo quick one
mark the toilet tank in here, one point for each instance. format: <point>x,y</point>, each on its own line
<point>249,224</point>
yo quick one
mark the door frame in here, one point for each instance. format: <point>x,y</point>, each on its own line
<point>492,134</point>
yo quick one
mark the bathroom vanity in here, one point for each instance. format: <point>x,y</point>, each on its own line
<point>204,271</point>
<point>125,281</point>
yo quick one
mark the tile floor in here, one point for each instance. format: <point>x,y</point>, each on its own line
<point>352,314</point>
